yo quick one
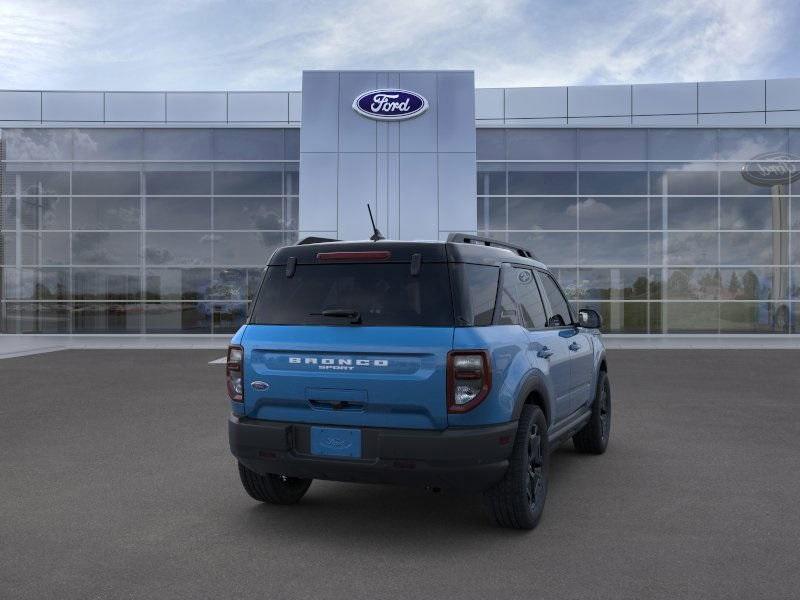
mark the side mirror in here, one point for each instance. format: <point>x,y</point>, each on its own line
<point>589,318</point>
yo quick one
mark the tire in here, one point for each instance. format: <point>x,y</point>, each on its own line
<point>271,488</point>
<point>517,501</point>
<point>593,438</point>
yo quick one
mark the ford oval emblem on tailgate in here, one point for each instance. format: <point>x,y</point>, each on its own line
<point>260,385</point>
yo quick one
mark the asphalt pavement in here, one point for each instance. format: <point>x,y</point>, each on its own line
<point>116,482</point>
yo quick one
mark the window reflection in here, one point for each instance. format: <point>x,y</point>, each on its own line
<point>88,229</point>
<point>248,213</point>
<point>178,248</point>
<point>97,212</point>
<point>174,212</point>
<point>612,213</point>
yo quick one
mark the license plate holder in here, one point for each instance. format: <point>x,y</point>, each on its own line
<point>336,441</point>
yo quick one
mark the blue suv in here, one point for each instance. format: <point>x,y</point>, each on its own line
<point>455,364</point>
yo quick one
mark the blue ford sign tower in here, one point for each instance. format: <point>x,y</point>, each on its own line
<point>401,141</point>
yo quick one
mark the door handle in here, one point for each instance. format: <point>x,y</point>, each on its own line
<point>545,352</point>
<point>574,347</point>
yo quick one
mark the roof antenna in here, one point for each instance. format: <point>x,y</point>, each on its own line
<point>376,235</point>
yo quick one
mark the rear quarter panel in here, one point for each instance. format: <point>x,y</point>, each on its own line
<point>510,365</point>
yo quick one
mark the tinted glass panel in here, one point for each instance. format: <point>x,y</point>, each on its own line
<point>691,213</point>
<point>492,213</point>
<point>683,183</point>
<point>550,248</point>
<point>693,284</point>
<point>491,144</point>
<point>248,213</point>
<point>178,213</point>
<point>245,248</point>
<point>248,182</point>
<point>178,248</point>
<point>51,248</point>
<point>105,213</point>
<point>612,284</point>
<point>542,213</point>
<point>754,283</point>
<point>522,182</point>
<point>613,249</point>
<point>44,212</point>
<point>491,180</point>
<point>106,284</point>
<point>178,183</point>
<point>178,284</point>
<point>754,213</point>
<point>38,144</point>
<point>105,248</point>
<point>612,213</point>
<point>529,300</point>
<point>119,183</point>
<point>178,144</point>
<point>757,248</point>
<point>474,289</point>
<point>541,144</point>
<point>559,307</point>
<point>382,294</point>
<point>692,248</point>
<point>611,183</point>
<point>99,317</point>
<point>108,144</point>
<point>248,144</point>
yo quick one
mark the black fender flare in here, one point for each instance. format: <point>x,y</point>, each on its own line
<point>535,382</point>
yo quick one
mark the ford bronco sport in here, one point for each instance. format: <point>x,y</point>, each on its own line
<point>455,364</point>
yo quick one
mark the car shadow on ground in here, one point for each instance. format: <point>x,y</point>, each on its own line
<point>371,511</point>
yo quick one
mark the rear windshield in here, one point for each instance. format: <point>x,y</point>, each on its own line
<point>384,294</point>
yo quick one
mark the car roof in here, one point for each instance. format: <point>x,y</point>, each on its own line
<point>402,251</point>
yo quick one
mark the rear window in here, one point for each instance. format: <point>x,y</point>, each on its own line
<point>384,294</point>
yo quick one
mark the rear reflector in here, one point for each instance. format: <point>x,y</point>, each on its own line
<point>354,256</point>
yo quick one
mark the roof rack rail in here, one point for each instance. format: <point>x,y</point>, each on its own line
<point>314,240</point>
<point>467,238</point>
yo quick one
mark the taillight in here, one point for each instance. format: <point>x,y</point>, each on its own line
<point>234,372</point>
<point>469,379</point>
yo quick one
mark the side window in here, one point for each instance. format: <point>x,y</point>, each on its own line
<point>508,301</point>
<point>560,314</point>
<point>530,300</point>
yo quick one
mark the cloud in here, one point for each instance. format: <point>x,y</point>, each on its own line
<point>208,44</point>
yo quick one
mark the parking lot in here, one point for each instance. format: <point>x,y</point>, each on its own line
<point>116,482</point>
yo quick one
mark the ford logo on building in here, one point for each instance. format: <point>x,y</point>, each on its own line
<point>390,105</point>
<point>772,168</point>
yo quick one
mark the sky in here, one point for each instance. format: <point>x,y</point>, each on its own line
<point>265,45</point>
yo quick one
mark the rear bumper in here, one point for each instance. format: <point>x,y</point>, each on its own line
<point>459,458</point>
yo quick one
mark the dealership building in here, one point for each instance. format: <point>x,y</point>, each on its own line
<point>669,208</point>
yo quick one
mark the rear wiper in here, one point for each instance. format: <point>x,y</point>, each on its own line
<point>344,313</point>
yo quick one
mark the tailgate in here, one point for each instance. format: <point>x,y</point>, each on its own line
<point>351,376</point>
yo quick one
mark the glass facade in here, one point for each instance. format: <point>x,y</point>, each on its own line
<point>656,229</point>
<point>165,230</point>
<point>140,230</point>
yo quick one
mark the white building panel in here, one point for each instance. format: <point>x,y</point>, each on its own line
<point>730,96</point>
<point>20,106</point>
<point>148,107</point>
<point>197,107</point>
<point>72,106</point>
<point>599,101</point>
<point>536,103</point>
<point>664,98</point>
<point>258,107</point>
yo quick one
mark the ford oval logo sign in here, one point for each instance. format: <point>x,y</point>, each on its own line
<point>390,105</point>
<point>772,168</point>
